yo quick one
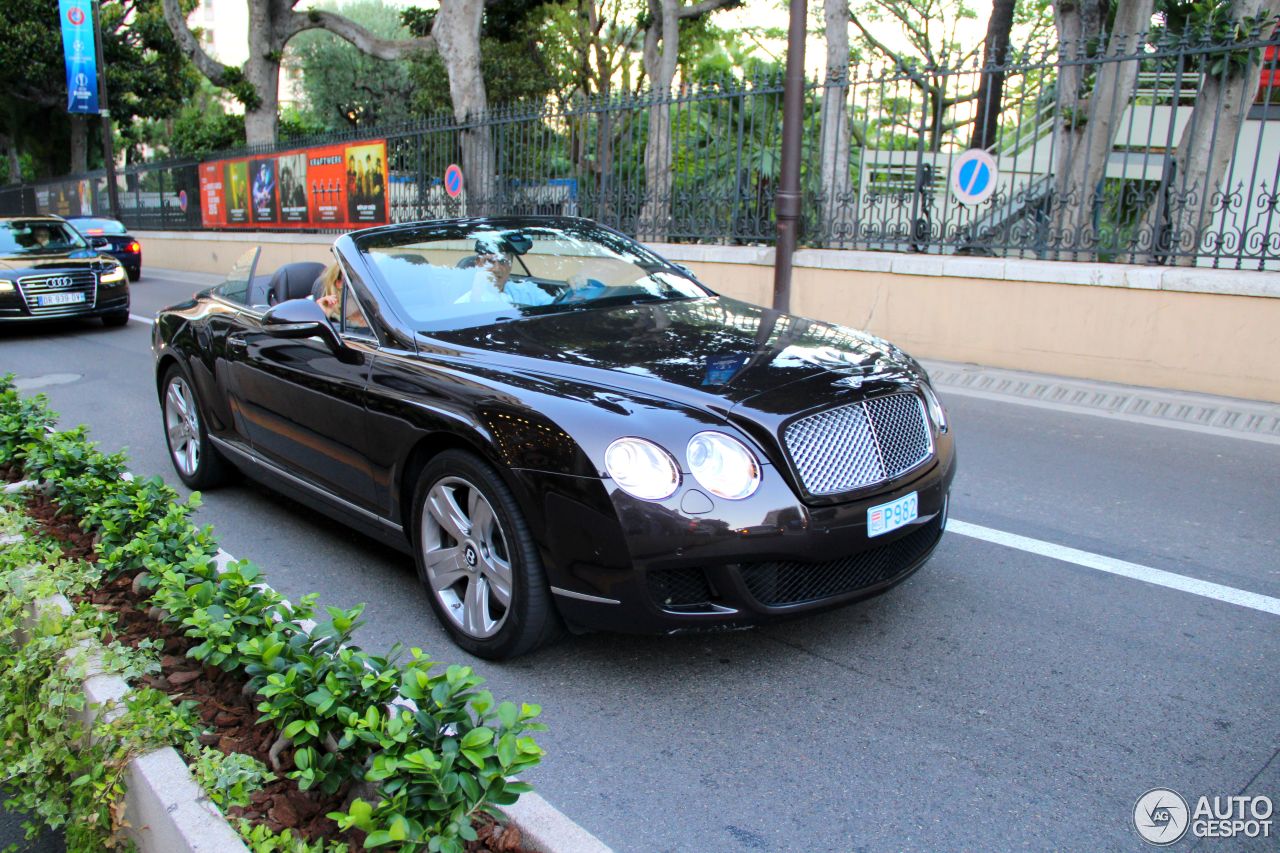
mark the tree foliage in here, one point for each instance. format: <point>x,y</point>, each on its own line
<point>147,77</point>
<point>345,88</point>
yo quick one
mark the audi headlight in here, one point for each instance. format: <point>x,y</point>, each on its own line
<point>114,275</point>
<point>642,468</point>
<point>723,465</point>
<point>936,412</point>
<point>6,286</point>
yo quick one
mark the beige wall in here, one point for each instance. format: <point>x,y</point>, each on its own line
<point>1212,342</point>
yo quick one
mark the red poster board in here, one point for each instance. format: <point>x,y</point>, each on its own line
<point>325,186</point>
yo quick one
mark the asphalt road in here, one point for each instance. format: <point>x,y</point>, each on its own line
<point>998,700</point>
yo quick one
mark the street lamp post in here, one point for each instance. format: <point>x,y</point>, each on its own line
<point>789,199</point>
<point>108,147</point>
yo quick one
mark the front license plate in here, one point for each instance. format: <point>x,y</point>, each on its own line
<point>59,299</point>
<point>894,514</point>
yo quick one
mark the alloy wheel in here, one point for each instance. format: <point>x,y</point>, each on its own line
<point>182,426</point>
<point>468,563</point>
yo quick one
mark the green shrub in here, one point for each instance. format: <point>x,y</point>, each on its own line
<point>429,746</point>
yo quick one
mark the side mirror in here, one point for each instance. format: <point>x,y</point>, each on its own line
<point>303,318</point>
<point>99,242</point>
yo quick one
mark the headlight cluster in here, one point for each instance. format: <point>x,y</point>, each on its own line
<point>723,466</point>
<point>936,412</point>
<point>6,286</point>
<point>113,275</point>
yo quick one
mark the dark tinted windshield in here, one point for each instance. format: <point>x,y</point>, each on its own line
<point>462,275</point>
<point>37,236</point>
<point>92,227</point>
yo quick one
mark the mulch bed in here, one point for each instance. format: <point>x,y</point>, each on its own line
<point>229,717</point>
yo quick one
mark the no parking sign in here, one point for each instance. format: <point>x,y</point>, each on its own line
<point>973,176</point>
<point>453,180</point>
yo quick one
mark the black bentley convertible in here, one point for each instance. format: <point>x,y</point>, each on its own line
<point>563,428</point>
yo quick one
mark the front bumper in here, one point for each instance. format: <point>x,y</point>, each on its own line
<point>742,563</point>
<point>109,300</point>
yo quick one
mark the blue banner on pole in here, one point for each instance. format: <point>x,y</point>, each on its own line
<point>79,52</point>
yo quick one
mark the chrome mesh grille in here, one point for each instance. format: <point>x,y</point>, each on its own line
<point>34,287</point>
<point>859,445</point>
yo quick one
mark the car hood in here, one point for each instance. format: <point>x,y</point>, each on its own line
<point>80,258</point>
<point>712,352</point>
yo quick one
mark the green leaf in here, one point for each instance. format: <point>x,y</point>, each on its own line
<point>477,737</point>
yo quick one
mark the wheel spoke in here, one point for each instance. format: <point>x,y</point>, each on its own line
<point>175,399</point>
<point>443,503</point>
<point>482,520</point>
<point>193,456</point>
<point>476,607</point>
<point>443,567</point>
<point>177,435</point>
<point>498,573</point>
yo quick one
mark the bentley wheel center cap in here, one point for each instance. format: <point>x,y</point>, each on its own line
<point>470,555</point>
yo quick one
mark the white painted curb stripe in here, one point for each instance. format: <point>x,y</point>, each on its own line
<point>1111,565</point>
<point>960,391</point>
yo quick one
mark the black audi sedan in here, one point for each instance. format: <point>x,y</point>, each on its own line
<point>110,236</point>
<point>48,271</point>
<point>562,427</point>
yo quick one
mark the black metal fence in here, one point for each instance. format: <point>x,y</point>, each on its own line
<point>879,148</point>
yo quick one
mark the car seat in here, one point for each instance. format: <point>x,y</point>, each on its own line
<point>293,281</point>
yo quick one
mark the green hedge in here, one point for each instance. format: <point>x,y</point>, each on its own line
<point>427,765</point>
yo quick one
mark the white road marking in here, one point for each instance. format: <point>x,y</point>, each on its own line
<point>1111,565</point>
<point>139,318</point>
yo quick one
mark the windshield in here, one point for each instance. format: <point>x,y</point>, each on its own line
<point>462,275</point>
<point>94,226</point>
<point>37,236</point>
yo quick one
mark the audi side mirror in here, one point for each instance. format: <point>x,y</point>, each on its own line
<point>303,318</point>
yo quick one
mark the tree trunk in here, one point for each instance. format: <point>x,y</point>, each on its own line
<point>12,158</point>
<point>1190,190</point>
<point>79,143</point>
<point>995,52</point>
<point>655,213</point>
<point>272,23</point>
<point>457,36</point>
<point>839,212</point>
<point>1087,126</point>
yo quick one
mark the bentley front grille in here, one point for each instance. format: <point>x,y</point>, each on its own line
<point>859,445</point>
<point>61,293</point>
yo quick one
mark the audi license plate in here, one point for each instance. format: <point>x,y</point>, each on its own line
<point>894,514</point>
<point>59,299</point>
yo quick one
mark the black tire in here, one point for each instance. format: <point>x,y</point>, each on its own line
<point>134,275</point>
<point>115,319</point>
<point>196,461</point>
<point>474,559</point>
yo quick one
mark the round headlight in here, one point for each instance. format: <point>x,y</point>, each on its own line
<point>723,465</point>
<point>936,412</point>
<point>642,468</point>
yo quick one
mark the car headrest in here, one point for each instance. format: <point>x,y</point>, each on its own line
<point>293,281</point>
<point>466,263</point>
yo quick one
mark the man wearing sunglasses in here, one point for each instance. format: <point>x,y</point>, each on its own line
<point>492,281</point>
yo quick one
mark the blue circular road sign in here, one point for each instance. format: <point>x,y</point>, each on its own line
<point>974,176</point>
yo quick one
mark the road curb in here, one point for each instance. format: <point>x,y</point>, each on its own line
<point>1227,416</point>
<point>166,810</point>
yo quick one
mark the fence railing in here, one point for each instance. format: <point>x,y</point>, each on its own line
<point>877,177</point>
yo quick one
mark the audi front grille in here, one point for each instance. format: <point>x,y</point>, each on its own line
<point>42,293</point>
